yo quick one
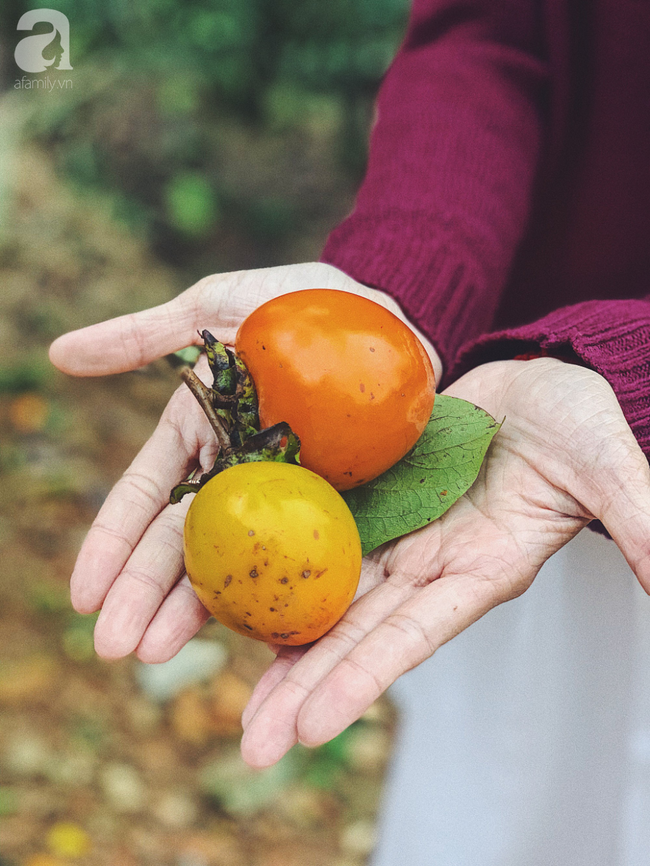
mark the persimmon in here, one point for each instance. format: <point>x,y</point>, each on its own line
<point>272,551</point>
<point>350,378</point>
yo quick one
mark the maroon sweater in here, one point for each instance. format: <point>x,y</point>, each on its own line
<point>506,204</point>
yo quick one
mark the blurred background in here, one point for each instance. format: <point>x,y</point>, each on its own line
<point>188,138</point>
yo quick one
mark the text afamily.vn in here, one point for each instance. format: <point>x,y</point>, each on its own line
<point>47,83</point>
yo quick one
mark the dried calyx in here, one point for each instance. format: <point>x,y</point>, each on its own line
<point>230,405</point>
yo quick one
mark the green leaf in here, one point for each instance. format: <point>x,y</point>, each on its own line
<point>441,466</point>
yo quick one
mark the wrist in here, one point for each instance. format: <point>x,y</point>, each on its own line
<point>566,357</point>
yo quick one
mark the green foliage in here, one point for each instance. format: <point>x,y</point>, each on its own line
<point>31,372</point>
<point>157,85</point>
<point>441,466</point>
<point>325,765</point>
<point>241,791</point>
<point>191,203</point>
<point>9,804</point>
<point>52,601</point>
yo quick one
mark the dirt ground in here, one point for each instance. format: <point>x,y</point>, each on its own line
<point>118,764</point>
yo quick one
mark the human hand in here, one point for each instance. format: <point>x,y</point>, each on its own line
<point>564,455</point>
<point>131,563</point>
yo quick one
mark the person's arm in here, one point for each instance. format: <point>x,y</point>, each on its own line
<point>452,160</point>
<point>611,337</point>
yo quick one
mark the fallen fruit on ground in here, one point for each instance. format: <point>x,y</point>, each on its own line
<point>351,379</point>
<point>272,551</point>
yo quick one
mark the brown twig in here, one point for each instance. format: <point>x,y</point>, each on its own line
<point>202,394</point>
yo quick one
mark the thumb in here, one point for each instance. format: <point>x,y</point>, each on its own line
<point>622,505</point>
<point>130,341</point>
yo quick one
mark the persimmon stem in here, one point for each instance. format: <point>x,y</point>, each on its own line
<point>202,394</point>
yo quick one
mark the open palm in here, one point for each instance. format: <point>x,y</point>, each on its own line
<point>131,563</point>
<point>564,455</point>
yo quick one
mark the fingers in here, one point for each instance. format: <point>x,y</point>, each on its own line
<point>371,576</point>
<point>622,504</point>
<point>139,590</point>
<point>407,637</point>
<point>323,694</point>
<point>606,471</point>
<point>271,724</point>
<point>133,554</point>
<point>220,301</point>
<point>131,341</point>
<point>135,501</point>
<point>284,661</point>
<point>177,620</point>
<point>388,631</point>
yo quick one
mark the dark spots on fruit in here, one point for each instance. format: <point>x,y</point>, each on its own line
<point>263,547</point>
<point>249,627</point>
<point>348,472</point>
<point>443,492</point>
<point>264,348</point>
<point>372,396</point>
<point>284,580</point>
<point>362,388</point>
<point>272,609</point>
<point>251,532</point>
<point>253,573</point>
<point>266,562</point>
<point>316,534</point>
<point>217,593</point>
<point>248,613</point>
<point>320,573</point>
<point>276,598</point>
<point>422,480</point>
<point>306,573</point>
<point>227,581</point>
<point>372,349</point>
<point>275,634</point>
<point>287,634</point>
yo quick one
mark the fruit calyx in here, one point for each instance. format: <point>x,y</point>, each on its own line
<point>231,407</point>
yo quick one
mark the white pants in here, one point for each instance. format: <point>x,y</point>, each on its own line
<point>525,741</point>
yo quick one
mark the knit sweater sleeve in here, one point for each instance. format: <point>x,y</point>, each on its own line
<point>452,159</point>
<point>610,336</point>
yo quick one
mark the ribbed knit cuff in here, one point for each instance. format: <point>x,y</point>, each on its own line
<point>611,337</point>
<point>440,286</point>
